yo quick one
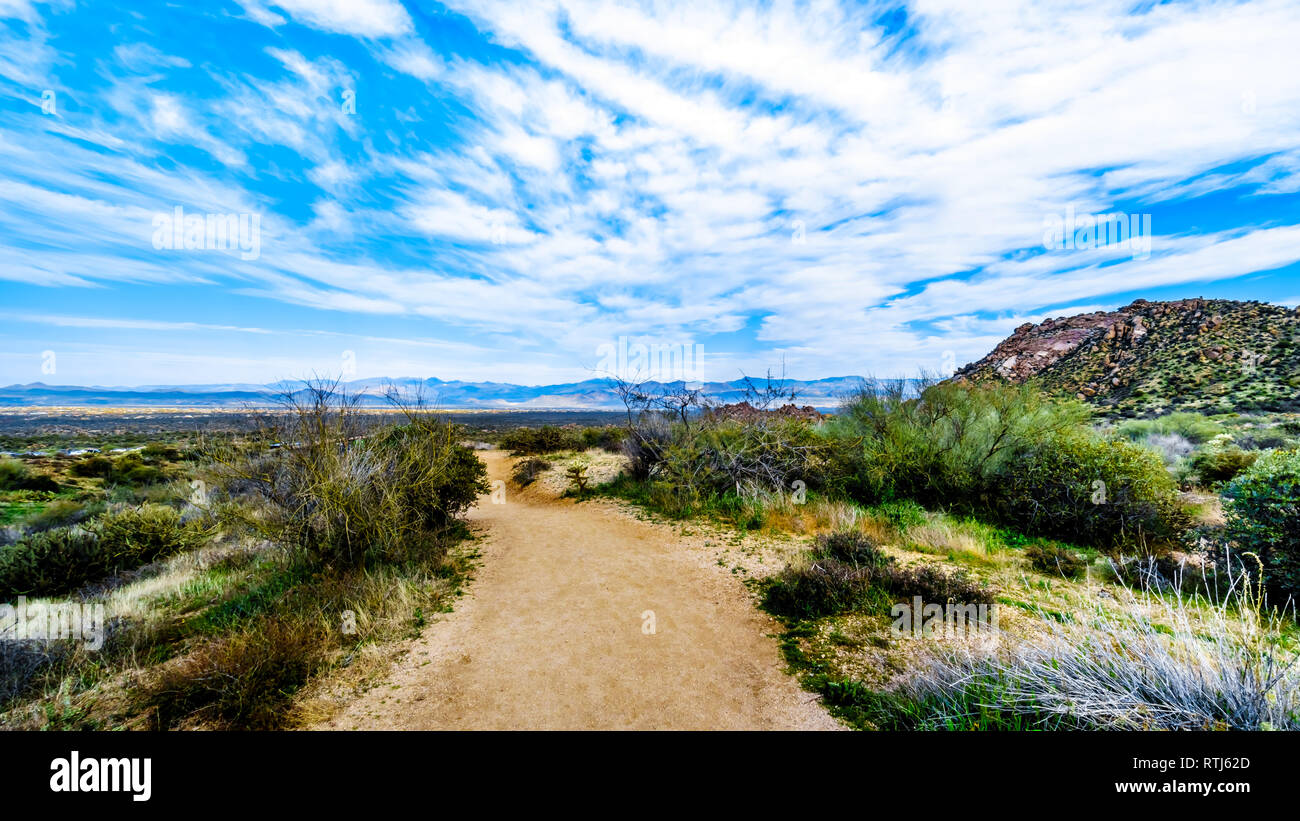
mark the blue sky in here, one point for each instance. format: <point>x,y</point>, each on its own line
<point>494,190</point>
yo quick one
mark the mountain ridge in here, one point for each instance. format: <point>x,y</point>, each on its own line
<point>590,394</point>
<point>1206,355</point>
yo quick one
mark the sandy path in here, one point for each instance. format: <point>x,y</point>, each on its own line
<point>550,635</point>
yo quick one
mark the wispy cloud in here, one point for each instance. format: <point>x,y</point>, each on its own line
<point>846,189</point>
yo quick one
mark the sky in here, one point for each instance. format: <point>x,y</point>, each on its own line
<point>506,191</point>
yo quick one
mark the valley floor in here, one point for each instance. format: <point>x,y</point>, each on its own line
<point>552,633</point>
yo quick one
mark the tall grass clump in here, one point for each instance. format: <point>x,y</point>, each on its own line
<point>1158,663</point>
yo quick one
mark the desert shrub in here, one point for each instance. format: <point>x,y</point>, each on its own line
<point>14,475</point>
<point>1006,453</point>
<point>536,441</point>
<point>1079,487</point>
<point>607,437</point>
<point>526,471</point>
<point>60,513</point>
<point>346,495</point>
<point>51,562</point>
<point>852,547</point>
<point>129,469</point>
<point>644,446</point>
<point>1221,461</point>
<point>717,457</point>
<point>902,514</point>
<point>138,535</point>
<point>946,446</point>
<point>1263,516</point>
<point>1054,560</point>
<point>159,452</point>
<point>1172,447</point>
<point>933,584</point>
<point>822,588</point>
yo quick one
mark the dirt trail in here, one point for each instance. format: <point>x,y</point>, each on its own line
<point>550,636</point>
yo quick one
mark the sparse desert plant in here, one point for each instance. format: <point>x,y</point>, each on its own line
<point>577,476</point>
<point>847,571</point>
<point>823,587</point>
<point>243,680</point>
<point>853,548</point>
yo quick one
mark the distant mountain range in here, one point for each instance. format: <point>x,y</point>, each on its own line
<point>592,394</point>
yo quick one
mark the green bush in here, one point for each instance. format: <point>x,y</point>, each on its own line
<point>125,470</point>
<point>96,467</point>
<point>1221,462</point>
<point>1263,517</point>
<point>60,513</point>
<point>607,437</point>
<point>51,562</point>
<point>1194,427</point>
<point>823,588</point>
<point>138,535</point>
<point>61,559</point>
<point>1084,489</point>
<point>1007,453</point>
<point>947,446</point>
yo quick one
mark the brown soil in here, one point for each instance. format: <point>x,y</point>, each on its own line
<point>550,635</point>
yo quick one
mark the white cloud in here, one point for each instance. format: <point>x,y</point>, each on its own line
<point>363,18</point>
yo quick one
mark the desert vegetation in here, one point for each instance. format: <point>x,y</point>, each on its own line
<point>1165,545</point>
<point>239,572</point>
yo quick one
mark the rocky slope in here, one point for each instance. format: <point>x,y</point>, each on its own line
<point>1154,357</point>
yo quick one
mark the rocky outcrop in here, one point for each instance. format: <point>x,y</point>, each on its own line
<point>1151,357</point>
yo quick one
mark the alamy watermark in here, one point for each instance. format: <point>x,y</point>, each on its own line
<point>179,231</point>
<point>1081,232</point>
<point>50,622</point>
<point>943,621</point>
<point>640,359</point>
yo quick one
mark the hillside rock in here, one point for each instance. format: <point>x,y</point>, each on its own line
<point>1154,357</point>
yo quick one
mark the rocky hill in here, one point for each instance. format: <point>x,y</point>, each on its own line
<point>1152,357</point>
